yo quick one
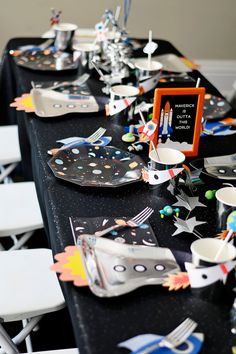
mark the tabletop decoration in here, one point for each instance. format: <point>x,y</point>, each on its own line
<point>46,60</point>
<point>190,63</point>
<point>70,266</point>
<point>219,167</point>
<point>158,177</point>
<point>49,103</point>
<point>222,235</point>
<point>177,281</point>
<point>166,80</point>
<point>74,142</point>
<point>190,203</point>
<point>127,7</point>
<point>219,127</point>
<point>203,276</point>
<point>55,17</point>
<point>187,226</point>
<point>178,112</point>
<point>142,235</point>
<point>71,87</point>
<point>96,138</point>
<point>115,268</point>
<point>149,84</point>
<point>231,227</point>
<point>168,210</point>
<point>140,344</point>
<point>115,47</point>
<point>116,106</point>
<point>97,166</point>
<point>24,103</point>
<point>215,107</point>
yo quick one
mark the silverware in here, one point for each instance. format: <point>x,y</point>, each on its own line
<point>90,139</point>
<point>174,338</point>
<point>134,222</point>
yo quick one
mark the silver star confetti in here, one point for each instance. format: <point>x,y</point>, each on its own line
<point>188,202</point>
<point>187,226</point>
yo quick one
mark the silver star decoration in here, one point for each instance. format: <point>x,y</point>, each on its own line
<point>186,225</point>
<point>188,202</point>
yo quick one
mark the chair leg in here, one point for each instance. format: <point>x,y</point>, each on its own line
<point>19,243</point>
<point>31,323</point>
<point>28,341</point>
<point>7,345</point>
<point>6,171</point>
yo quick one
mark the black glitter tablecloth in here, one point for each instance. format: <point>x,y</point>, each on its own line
<point>100,323</point>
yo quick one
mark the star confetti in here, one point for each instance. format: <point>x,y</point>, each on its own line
<point>186,225</point>
<point>24,103</point>
<point>177,281</point>
<point>188,202</point>
<point>70,266</point>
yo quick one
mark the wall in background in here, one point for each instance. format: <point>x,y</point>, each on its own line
<point>200,29</point>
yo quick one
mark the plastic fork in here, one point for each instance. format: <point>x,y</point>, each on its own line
<point>134,222</point>
<point>90,139</point>
<point>174,338</point>
<point>95,136</point>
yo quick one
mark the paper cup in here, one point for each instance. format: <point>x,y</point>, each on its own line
<point>205,250</point>
<point>119,92</point>
<point>161,162</point>
<point>145,70</point>
<point>165,158</point>
<point>225,204</point>
<point>64,33</point>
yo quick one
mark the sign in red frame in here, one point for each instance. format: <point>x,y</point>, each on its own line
<point>178,113</point>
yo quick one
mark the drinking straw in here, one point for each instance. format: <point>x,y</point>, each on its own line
<point>223,244</point>
<point>231,225</point>
<point>198,82</point>
<point>117,14</point>
<point>98,70</point>
<point>152,143</point>
<point>149,51</point>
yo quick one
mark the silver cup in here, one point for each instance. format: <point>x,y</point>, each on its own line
<point>85,52</point>
<point>64,33</point>
<point>225,204</point>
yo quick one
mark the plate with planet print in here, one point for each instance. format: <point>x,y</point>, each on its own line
<point>46,60</point>
<point>142,235</point>
<point>215,107</point>
<point>97,166</point>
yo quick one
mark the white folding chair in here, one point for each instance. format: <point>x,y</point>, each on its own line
<point>19,212</point>
<point>29,289</point>
<point>10,154</point>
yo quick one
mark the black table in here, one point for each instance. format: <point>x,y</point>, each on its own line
<point>101,323</point>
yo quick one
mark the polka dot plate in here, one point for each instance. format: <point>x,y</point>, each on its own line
<point>97,166</point>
